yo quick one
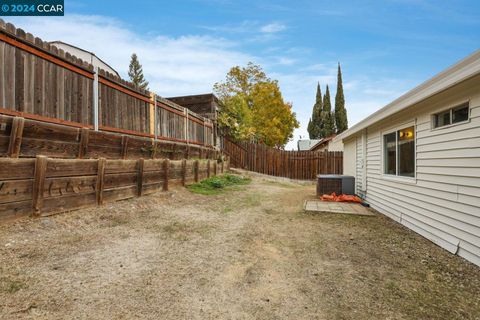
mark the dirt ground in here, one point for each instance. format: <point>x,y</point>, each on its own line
<point>245,254</point>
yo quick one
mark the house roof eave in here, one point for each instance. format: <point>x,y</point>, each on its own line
<point>460,71</point>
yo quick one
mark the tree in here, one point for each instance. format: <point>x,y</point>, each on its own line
<point>273,119</point>
<point>341,120</point>
<point>316,126</point>
<point>135,72</point>
<point>310,128</point>
<point>328,116</point>
<point>253,108</point>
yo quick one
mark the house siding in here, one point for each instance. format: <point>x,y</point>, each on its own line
<point>359,167</point>
<point>442,203</point>
<point>335,145</point>
<point>350,162</point>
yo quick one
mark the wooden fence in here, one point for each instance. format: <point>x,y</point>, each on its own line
<point>300,165</point>
<point>20,137</point>
<point>40,82</point>
<point>43,186</point>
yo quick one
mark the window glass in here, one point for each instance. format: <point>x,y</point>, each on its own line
<point>460,114</point>
<point>442,119</point>
<point>390,153</point>
<point>406,152</point>
<point>455,115</point>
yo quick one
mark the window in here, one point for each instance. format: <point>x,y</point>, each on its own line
<point>442,119</point>
<point>406,152</point>
<point>390,147</point>
<point>399,152</point>
<point>460,114</point>
<point>454,115</point>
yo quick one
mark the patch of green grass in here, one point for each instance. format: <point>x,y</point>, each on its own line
<point>218,184</point>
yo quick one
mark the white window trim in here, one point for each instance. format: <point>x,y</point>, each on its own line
<point>396,177</point>
<point>450,108</point>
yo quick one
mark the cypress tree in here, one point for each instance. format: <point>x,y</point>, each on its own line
<point>315,128</point>
<point>341,120</point>
<point>135,72</point>
<point>309,128</point>
<point>328,116</point>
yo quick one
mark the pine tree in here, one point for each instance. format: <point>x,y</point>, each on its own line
<point>135,72</point>
<point>328,116</point>
<point>341,120</point>
<point>315,127</point>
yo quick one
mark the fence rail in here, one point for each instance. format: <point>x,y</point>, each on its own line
<point>300,165</point>
<point>26,138</point>
<point>43,186</point>
<point>39,81</point>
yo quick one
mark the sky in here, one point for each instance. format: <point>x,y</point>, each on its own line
<point>385,48</point>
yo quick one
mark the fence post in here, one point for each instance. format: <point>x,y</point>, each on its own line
<point>154,148</point>
<point>215,168</point>
<point>124,146</point>
<point>16,137</point>
<point>184,172</point>
<point>208,168</point>
<point>140,164</point>
<point>326,162</point>
<point>39,183</point>
<point>195,170</point>
<point>204,133</point>
<point>100,180</point>
<point>83,144</point>
<point>152,118</point>
<point>95,98</point>
<point>185,110</point>
<point>153,123</point>
<point>165,170</point>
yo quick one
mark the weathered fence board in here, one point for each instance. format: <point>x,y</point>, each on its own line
<point>300,165</point>
<point>21,137</point>
<point>39,81</point>
<point>46,185</point>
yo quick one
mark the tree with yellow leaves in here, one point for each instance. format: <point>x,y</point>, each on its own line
<point>253,108</point>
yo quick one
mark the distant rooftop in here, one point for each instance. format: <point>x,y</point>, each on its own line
<point>305,145</point>
<point>322,142</point>
<point>85,55</point>
<point>206,104</point>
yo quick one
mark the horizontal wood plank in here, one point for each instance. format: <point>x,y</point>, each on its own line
<point>120,166</point>
<point>55,187</point>
<point>16,190</point>
<point>65,168</point>
<point>68,202</point>
<point>15,209</point>
<point>16,168</point>
<point>121,193</point>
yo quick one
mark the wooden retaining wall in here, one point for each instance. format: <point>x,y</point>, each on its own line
<point>44,186</point>
<point>42,82</point>
<point>20,137</point>
<point>299,165</point>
